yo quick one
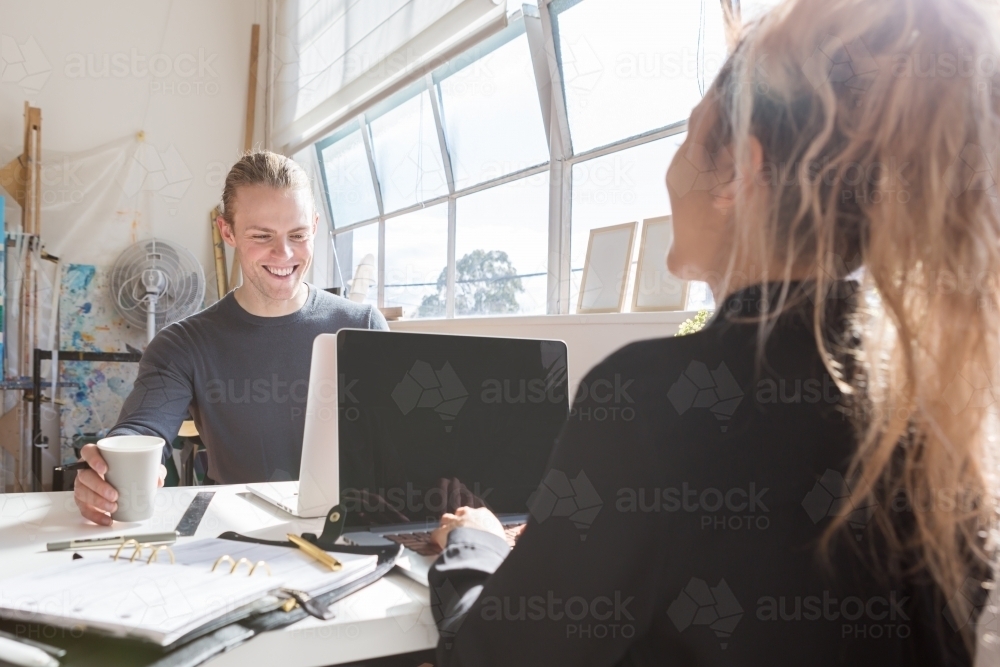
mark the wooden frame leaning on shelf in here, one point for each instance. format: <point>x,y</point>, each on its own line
<point>654,287</point>
<point>605,271</point>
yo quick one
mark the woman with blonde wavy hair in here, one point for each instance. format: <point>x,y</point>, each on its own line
<point>812,478</point>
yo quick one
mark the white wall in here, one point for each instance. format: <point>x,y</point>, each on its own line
<point>195,101</point>
<point>589,338</point>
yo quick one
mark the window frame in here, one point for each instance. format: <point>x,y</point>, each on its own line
<point>540,27</point>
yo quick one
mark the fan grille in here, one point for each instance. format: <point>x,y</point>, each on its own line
<point>180,296</point>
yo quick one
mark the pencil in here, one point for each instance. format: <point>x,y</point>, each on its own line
<point>315,552</point>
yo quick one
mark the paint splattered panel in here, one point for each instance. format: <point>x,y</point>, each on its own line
<point>88,322</point>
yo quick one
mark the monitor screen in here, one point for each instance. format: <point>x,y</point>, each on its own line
<point>431,422</point>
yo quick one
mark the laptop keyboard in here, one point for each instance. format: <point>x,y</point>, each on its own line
<point>423,544</point>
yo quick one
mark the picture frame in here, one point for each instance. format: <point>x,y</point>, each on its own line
<point>605,270</point>
<point>654,288</point>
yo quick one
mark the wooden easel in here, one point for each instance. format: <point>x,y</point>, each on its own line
<point>220,257</point>
<point>22,178</point>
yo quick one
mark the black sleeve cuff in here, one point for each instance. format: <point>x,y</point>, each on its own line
<point>457,577</point>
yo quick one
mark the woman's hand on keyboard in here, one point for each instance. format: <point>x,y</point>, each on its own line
<point>479,518</point>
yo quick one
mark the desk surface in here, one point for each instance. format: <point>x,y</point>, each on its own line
<point>391,616</point>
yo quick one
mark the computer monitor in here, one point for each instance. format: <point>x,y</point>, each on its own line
<point>431,422</point>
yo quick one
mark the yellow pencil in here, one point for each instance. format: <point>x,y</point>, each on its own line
<point>315,552</point>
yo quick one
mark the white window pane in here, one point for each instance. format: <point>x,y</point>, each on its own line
<point>408,155</point>
<point>501,249</point>
<point>357,251</point>
<point>349,180</point>
<point>630,66</point>
<point>416,258</point>
<point>626,186</point>
<point>492,118</point>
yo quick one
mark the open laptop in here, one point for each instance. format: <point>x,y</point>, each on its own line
<point>316,490</point>
<point>425,423</point>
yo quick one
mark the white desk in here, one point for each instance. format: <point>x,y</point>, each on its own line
<point>388,617</point>
<point>391,616</point>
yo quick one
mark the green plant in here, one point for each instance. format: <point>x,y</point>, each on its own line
<point>693,324</point>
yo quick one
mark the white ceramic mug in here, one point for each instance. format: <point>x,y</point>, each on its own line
<point>134,470</point>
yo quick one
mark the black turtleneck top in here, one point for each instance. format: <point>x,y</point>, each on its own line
<point>680,518</point>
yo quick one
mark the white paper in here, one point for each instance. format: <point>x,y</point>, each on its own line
<point>161,602</point>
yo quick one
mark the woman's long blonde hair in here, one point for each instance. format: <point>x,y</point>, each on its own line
<point>880,128</point>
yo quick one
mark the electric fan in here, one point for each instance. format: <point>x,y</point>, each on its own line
<point>154,283</point>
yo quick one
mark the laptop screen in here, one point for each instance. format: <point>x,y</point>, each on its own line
<point>431,422</point>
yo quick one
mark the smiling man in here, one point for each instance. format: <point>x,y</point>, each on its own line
<point>241,366</point>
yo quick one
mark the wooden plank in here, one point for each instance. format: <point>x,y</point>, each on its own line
<point>235,277</point>
<point>30,224</point>
<point>252,89</point>
<point>29,201</point>
<point>10,440</point>
<point>10,432</point>
<point>35,166</point>
<point>220,254</point>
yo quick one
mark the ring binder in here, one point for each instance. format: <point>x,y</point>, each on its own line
<point>236,563</point>
<point>292,588</point>
<point>139,548</point>
<point>258,563</point>
<point>240,562</point>
<point>221,559</point>
<point>156,552</point>
<point>138,551</point>
<point>124,544</point>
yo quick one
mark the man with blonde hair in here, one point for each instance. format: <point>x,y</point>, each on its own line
<point>240,366</point>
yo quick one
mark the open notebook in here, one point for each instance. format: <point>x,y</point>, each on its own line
<point>160,602</point>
